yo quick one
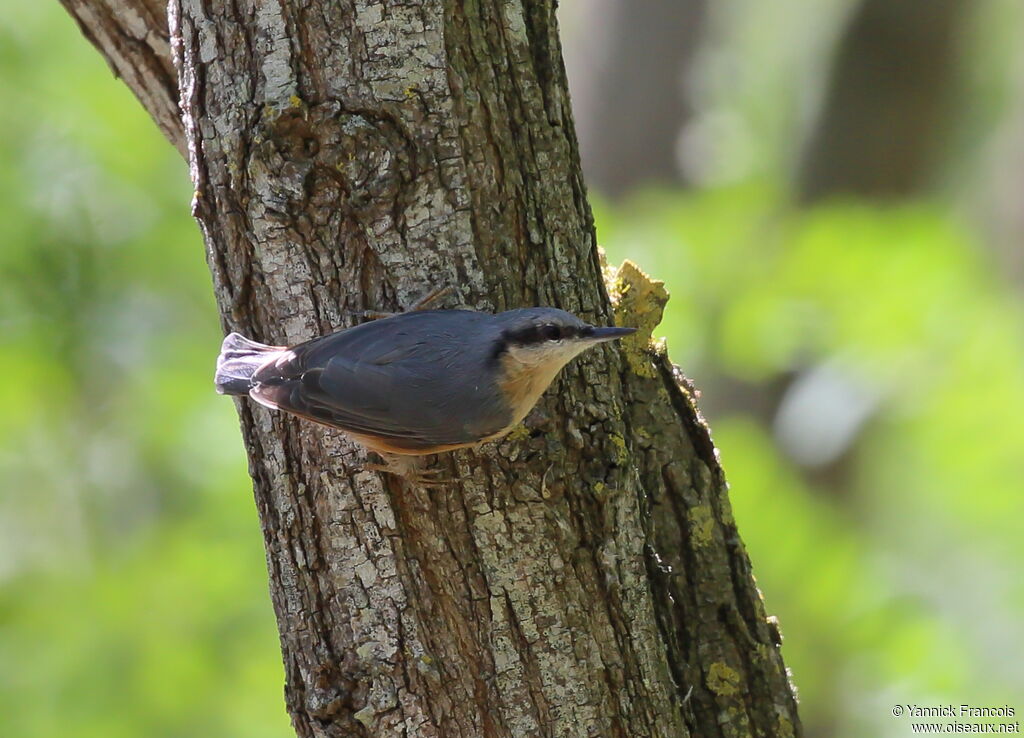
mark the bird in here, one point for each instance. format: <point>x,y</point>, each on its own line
<point>415,383</point>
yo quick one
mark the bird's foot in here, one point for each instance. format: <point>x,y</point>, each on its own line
<point>421,304</point>
<point>411,469</point>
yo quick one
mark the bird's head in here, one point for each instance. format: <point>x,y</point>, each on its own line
<point>546,339</point>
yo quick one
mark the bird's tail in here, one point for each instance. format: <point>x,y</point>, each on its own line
<point>239,358</point>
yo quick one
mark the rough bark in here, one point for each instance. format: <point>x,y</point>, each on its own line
<point>582,577</point>
<point>887,103</point>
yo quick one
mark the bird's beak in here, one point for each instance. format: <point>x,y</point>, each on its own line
<point>600,335</point>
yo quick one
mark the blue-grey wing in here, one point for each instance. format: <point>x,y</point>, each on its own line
<point>417,381</point>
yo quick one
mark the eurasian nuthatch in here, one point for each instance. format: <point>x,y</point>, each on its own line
<point>416,383</point>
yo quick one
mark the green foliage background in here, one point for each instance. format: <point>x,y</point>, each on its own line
<point>133,597</point>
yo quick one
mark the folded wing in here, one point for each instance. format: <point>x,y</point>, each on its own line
<point>407,380</point>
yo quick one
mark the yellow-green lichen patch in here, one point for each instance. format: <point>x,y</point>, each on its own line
<point>621,449</point>
<point>785,726</point>
<point>295,101</point>
<point>702,524</point>
<point>519,433</point>
<point>365,716</point>
<point>604,491</point>
<point>638,301</point>
<point>723,680</point>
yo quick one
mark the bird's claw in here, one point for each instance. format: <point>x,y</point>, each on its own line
<point>408,468</point>
<point>421,304</point>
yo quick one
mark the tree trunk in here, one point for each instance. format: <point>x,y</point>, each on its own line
<point>887,104</point>
<point>627,65</point>
<point>582,577</point>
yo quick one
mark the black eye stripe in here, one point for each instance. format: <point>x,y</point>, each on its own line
<point>535,334</point>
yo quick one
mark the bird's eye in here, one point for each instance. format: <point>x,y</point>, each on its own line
<point>550,332</point>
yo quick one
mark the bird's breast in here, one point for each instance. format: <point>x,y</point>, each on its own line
<point>522,384</point>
